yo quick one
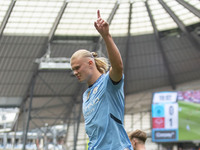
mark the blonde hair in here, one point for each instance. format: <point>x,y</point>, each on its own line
<point>140,135</point>
<point>100,62</point>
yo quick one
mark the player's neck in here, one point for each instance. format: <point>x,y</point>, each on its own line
<point>94,78</point>
<point>140,147</point>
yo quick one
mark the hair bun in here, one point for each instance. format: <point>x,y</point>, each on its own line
<point>94,54</point>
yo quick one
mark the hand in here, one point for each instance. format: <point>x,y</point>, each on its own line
<point>101,26</point>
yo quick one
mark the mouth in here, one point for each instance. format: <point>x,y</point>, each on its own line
<point>78,77</point>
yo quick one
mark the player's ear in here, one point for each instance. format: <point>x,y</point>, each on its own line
<point>90,62</point>
<point>135,141</point>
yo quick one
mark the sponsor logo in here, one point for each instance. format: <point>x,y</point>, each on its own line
<point>165,134</point>
<point>89,108</point>
<point>95,90</point>
<point>159,122</point>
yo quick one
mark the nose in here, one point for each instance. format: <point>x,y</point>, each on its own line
<point>75,72</point>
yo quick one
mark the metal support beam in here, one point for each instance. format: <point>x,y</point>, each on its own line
<point>36,126</point>
<point>75,131</point>
<point>127,47</point>
<point>53,29</point>
<point>160,48</point>
<point>52,90</point>
<point>50,118</point>
<point>76,118</point>
<point>56,120</point>
<point>54,71</point>
<point>113,12</point>
<point>141,117</point>
<point>29,112</point>
<point>67,131</point>
<point>5,19</point>
<point>35,73</point>
<point>195,43</point>
<point>109,20</point>
<point>48,107</point>
<point>8,106</point>
<point>27,94</point>
<point>49,95</point>
<point>77,127</point>
<point>72,110</point>
<point>15,131</point>
<point>45,139</point>
<point>190,7</point>
<point>5,138</point>
<point>174,17</point>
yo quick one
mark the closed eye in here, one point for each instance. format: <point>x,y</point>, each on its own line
<point>76,68</point>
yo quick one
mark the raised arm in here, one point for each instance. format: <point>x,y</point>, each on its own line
<point>116,69</point>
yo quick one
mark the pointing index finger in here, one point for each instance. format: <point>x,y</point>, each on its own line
<point>98,14</point>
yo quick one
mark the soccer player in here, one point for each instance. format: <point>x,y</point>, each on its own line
<point>103,101</point>
<point>138,139</point>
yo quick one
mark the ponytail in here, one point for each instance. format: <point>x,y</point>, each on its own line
<point>101,63</point>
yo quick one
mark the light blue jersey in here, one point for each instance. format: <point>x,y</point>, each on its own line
<point>103,110</point>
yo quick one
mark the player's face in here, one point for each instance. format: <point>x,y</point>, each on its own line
<point>80,68</point>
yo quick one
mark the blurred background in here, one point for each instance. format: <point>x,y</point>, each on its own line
<point>41,100</point>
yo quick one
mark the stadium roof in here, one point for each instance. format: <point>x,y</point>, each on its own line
<point>76,17</point>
